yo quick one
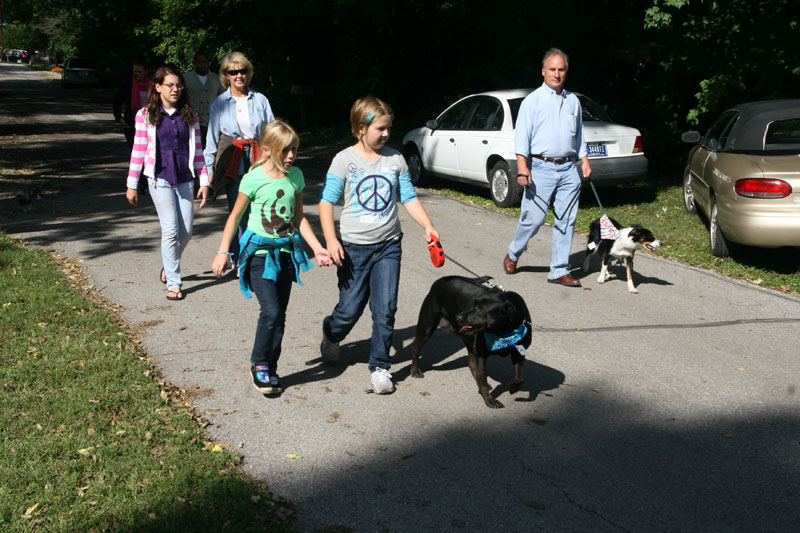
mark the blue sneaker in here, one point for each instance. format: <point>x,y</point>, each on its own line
<point>263,381</point>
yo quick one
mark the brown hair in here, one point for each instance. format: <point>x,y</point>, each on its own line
<point>364,111</point>
<point>153,101</point>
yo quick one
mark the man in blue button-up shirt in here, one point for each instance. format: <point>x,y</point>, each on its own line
<point>548,141</point>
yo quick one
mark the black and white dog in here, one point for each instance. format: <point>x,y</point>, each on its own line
<point>622,248</point>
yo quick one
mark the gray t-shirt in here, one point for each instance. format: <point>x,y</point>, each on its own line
<point>371,192</point>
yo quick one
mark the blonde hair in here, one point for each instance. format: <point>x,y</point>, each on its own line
<point>275,137</point>
<point>231,59</point>
<point>365,111</point>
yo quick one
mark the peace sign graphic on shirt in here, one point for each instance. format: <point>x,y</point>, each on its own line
<point>374,193</point>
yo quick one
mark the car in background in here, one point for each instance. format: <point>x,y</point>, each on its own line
<point>16,56</point>
<point>473,141</point>
<point>79,71</point>
<point>744,176</point>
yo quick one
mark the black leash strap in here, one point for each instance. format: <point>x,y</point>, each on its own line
<point>597,197</point>
<point>489,282</point>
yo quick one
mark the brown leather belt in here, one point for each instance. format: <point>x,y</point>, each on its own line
<point>556,160</point>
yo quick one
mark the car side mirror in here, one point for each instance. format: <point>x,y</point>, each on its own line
<point>432,124</point>
<point>691,137</point>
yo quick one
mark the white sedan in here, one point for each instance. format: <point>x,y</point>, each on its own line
<point>473,141</point>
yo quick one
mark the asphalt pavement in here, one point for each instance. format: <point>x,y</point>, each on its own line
<point>672,410</point>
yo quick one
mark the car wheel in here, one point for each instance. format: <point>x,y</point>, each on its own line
<point>505,191</point>
<point>416,170</point>
<point>688,196</point>
<point>719,245</point>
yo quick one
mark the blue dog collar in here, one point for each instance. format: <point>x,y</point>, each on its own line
<point>496,342</point>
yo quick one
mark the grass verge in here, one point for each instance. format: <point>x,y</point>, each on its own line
<point>658,206</point>
<point>92,438</point>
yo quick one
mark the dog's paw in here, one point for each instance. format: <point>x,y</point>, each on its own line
<point>514,387</point>
<point>633,290</point>
<point>491,402</point>
<point>416,373</point>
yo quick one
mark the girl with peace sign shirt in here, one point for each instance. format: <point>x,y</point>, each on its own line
<point>372,178</point>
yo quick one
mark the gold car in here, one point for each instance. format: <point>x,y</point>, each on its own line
<point>744,175</point>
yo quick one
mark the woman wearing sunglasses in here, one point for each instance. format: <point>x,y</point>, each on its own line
<point>235,121</point>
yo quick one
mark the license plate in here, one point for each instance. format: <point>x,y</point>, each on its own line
<point>596,150</point>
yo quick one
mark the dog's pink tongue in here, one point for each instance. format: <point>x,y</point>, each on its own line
<point>465,328</point>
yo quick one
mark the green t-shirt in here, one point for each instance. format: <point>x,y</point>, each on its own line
<point>272,201</point>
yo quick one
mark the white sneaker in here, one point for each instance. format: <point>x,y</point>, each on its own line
<point>329,350</point>
<point>382,381</point>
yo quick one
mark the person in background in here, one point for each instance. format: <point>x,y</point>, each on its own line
<point>548,140</point>
<point>167,151</point>
<point>130,97</point>
<point>203,88</point>
<point>235,121</point>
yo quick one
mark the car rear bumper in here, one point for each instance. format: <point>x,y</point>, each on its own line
<point>756,226</point>
<point>608,170</point>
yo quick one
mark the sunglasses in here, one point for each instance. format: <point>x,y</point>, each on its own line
<point>237,71</point>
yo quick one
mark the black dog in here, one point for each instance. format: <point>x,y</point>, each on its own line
<point>476,313</point>
<point>623,247</point>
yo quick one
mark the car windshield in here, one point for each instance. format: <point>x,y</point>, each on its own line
<point>81,63</point>
<point>783,134</point>
<point>592,111</point>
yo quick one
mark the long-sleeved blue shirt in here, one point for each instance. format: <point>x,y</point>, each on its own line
<point>222,119</point>
<point>550,125</point>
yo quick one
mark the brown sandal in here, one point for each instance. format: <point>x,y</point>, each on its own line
<point>174,294</point>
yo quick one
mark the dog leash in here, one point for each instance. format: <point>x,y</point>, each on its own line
<point>607,228</point>
<point>489,282</point>
<point>493,285</point>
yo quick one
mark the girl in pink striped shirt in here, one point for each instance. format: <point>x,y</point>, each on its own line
<point>167,145</point>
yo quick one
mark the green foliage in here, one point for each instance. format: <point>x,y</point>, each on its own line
<point>18,35</point>
<point>724,53</point>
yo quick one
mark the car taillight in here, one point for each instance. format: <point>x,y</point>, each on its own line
<point>762,188</point>
<point>638,147</point>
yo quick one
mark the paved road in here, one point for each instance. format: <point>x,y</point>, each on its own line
<point>672,410</point>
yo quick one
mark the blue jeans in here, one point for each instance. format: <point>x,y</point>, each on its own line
<point>369,272</point>
<point>231,193</point>
<point>175,208</point>
<point>273,297</point>
<point>561,185</point>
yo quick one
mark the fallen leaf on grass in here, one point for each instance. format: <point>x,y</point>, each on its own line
<point>29,511</point>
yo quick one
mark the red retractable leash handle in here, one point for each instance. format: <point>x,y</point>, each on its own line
<point>436,251</point>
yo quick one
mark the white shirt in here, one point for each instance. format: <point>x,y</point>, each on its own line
<point>243,117</point>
